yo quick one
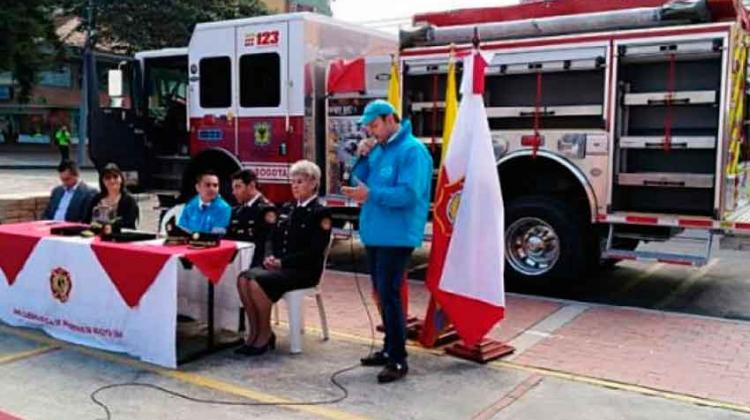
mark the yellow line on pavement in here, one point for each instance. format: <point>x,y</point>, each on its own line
<point>227,388</point>
<point>14,357</point>
<point>623,386</point>
<point>687,284</point>
<point>186,377</point>
<point>206,382</point>
<point>606,383</point>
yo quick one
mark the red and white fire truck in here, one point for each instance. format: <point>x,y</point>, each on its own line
<point>614,122</point>
<point>244,93</point>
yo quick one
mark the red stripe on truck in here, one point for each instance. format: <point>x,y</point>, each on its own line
<point>643,220</point>
<point>695,223</point>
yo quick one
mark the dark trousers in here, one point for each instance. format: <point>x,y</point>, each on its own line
<point>387,266</point>
<point>64,153</point>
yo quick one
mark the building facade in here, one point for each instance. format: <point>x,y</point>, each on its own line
<point>283,6</point>
<point>55,98</point>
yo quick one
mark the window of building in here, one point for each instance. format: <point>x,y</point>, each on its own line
<point>60,77</point>
<point>215,82</point>
<point>260,80</point>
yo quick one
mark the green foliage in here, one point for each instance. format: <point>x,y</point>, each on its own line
<point>27,41</point>
<point>134,25</point>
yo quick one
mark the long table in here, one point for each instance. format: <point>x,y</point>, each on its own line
<point>114,296</point>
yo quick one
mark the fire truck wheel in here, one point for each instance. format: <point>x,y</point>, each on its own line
<point>544,238</point>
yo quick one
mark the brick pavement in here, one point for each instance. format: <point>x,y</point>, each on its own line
<point>704,357</point>
<point>346,314</point>
<point>697,356</point>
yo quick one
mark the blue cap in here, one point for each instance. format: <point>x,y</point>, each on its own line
<point>375,109</point>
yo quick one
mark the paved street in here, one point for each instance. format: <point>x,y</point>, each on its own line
<point>634,342</point>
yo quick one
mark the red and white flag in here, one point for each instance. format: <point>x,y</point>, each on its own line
<point>465,275</point>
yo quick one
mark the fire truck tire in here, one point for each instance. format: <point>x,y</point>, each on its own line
<point>545,238</point>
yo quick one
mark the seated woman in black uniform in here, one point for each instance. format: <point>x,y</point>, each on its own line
<point>114,198</point>
<point>300,241</point>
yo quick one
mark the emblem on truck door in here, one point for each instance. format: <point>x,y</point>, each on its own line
<point>262,133</point>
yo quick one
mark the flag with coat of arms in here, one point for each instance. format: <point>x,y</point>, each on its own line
<point>465,274</point>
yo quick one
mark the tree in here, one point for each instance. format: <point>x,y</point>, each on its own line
<point>27,41</point>
<point>132,25</point>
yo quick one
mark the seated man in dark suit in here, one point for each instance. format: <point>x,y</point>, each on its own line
<point>70,201</point>
<point>254,219</point>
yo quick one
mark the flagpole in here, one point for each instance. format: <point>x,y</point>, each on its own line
<point>437,329</point>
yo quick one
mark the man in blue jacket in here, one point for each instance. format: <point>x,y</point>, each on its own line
<point>207,212</point>
<point>392,179</point>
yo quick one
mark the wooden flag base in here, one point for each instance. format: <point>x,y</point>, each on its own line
<point>413,327</point>
<point>486,351</point>
<point>448,336</point>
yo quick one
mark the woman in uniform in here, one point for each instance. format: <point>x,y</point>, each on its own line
<point>300,242</point>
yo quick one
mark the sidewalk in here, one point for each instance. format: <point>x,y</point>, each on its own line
<point>13,156</point>
<point>573,362</point>
<point>682,355</point>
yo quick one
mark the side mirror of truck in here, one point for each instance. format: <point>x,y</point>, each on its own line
<point>114,87</point>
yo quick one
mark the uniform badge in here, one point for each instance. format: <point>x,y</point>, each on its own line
<point>60,284</point>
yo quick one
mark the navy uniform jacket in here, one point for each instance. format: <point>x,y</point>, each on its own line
<point>302,236</point>
<point>254,224</point>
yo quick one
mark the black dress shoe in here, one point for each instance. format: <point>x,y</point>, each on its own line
<point>392,372</point>
<point>379,358</point>
<point>248,350</point>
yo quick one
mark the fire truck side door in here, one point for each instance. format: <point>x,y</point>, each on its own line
<point>263,92</point>
<point>212,76</point>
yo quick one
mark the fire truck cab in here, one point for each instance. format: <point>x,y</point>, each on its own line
<point>252,94</point>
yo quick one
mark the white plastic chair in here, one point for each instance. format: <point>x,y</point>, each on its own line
<point>173,213</point>
<point>294,300</point>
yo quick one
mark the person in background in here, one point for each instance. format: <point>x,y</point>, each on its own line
<point>114,198</point>
<point>207,212</point>
<point>70,201</point>
<point>393,176</point>
<point>300,242</point>
<point>62,140</point>
<point>254,218</point>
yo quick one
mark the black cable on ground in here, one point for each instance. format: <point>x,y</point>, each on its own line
<point>332,378</point>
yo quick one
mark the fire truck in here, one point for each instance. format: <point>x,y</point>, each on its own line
<point>245,93</point>
<point>614,123</point>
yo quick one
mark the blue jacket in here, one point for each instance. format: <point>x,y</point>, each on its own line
<point>212,219</point>
<point>399,176</point>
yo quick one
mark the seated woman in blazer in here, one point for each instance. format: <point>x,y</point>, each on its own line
<point>115,196</point>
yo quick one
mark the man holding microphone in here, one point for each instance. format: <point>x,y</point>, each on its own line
<point>391,180</point>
